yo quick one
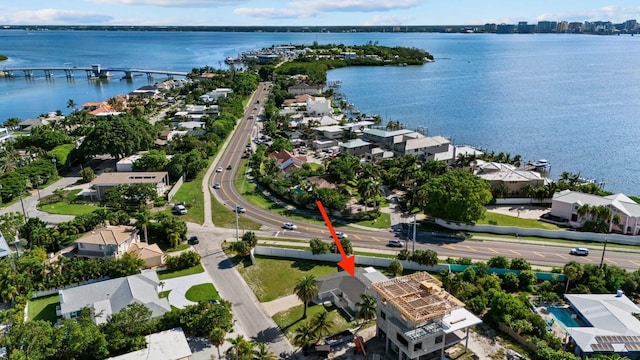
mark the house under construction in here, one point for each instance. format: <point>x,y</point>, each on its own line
<point>418,319</point>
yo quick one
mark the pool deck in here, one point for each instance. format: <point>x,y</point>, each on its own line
<point>556,326</point>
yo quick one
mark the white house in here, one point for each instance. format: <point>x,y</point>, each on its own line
<point>106,181</point>
<point>565,204</point>
<point>110,296</point>
<point>418,319</point>
<point>165,345</point>
<point>422,146</point>
<point>319,106</point>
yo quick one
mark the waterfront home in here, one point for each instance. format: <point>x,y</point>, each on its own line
<point>417,319</point>
<point>287,160</point>
<point>384,138</point>
<point>107,242</point>
<point>106,181</point>
<point>331,132</point>
<point>566,204</point>
<point>378,154</point>
<point>299,100</point>
<point>4,134</point>
<point>507,175</point>
<point>356,147</point>
<point>424,147</point>
<point>303,88</point>
<point>110,296</point>
<point>214,95</point>
<point>319,106</point>
<point>147,91</point>
<point>603,324</point>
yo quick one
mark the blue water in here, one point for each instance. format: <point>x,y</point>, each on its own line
<point>571,99</point>
<point>563,315</point>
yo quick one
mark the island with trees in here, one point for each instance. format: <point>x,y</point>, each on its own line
<point>3,57</point>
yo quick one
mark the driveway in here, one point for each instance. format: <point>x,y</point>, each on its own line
<point>179,287</point>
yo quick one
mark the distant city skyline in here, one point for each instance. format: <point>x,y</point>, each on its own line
<point>312,13</point>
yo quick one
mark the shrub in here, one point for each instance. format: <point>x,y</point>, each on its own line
<point>184,261</point>
<point>318,246</point>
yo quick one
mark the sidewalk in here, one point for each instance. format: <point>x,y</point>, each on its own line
<point>281,304</point>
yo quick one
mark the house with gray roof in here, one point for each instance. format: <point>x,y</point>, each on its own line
<point>610,324</point>
<point>384,138</point>
<point>422,146</point>
<point>108,297</point>
<point>565,204</point>
<point>356,147</point>
<point>108,180</point>
<point>344,290</point>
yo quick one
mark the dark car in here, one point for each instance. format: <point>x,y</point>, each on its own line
<point>229,167</point>
<point>193,240</point>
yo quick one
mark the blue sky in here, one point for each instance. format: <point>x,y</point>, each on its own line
<point>309,12</point>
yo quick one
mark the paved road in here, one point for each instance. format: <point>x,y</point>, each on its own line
<point>252,319</point>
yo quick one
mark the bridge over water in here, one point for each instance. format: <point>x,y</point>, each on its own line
<point>94,71</point>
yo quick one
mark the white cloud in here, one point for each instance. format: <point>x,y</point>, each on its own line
<point>615,14</point>
<point>387,20</point>
<point>173,3</point>
<point>56,17</point>
<point>302,9</point>
<point>273,13</point>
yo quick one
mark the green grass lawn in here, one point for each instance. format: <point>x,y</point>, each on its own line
<point>224,217</point>
<point>44,308</point>
<point>202,292</point>
<point>63,208</point>
<point>168,274</point>
<point>290,320</point>
<point>164,294</point>
<point>191,193</point>
<point>273,278</point>
<point>383,222</point>
<point>506,220</point>
<point>179,248</point>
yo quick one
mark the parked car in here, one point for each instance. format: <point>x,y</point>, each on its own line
<point>579,251</point>
<point>216,186</point>
<point>219,169</point>
<point>193,240</point>
<point>180,209</point>
<point>395,243</point>
<point>229,167</point>
<point>240,209</point>
<point>289,226</point>
<point>341,235</point>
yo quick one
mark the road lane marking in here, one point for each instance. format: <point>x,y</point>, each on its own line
<point>561,256</point>
<point>515,252</point>
<point>470,248</point>
<point>537,253</point>
<point>634,263</point>
<point>494,251</point>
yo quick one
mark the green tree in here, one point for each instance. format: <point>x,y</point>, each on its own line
<point>318,246</point>
<point>143,218</point>
<point>250,238</point>
<point>572,271</point>
<point>395,267</point>
<point>306,289</point>
<point>366,307</point>
<point>217,338</point>
<point>425,257</point>
<point>304,335</point>
<point>153,160</point>
<point>240,347</point>
<point>499,261</point>
<point>346,246</point>
<point>87,174</point>
<point>33,340</point>
<point>457,195</point>
<point>118,136</point>
<point>125,330</point>
<point>321,324</point>
<point>261,352</point>
<point>369,188</point>
<point>81,339</point>
<point>519,264</point>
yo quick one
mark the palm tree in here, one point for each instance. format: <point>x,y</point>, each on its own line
<point>304,335</point>
<point>321,325</point>
<point>240,347</point>
<point>216,338</point>
<point>369,188</point>
<point>71,105</point>
<point>262,353</point>
<point>142,220</point>
<point>306,289</point>
<point>367,305</point>
<point>572,271</point>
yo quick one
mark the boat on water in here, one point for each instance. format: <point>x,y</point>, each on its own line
<point>231,60</point>
<point>542,166</point>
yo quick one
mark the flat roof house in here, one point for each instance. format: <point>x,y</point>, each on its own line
<point>107,242</point>
<point>303,88</point>
<point>418,319</point>
<point>356,147</point>
<point>422,146</point>
<point>110,296</point>
<point>106,181</point>
<point>164,345</point>
<point>384,138</point>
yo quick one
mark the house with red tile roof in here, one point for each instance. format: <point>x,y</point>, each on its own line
<point>287,160</point>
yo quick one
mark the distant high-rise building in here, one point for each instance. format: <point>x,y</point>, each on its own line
<point>525,28</point>
<point>575,27</point>
<point>547,26</point>
<point>490,27</point>
<point>563,26</point>
<point>631,25</point>
<point>505,29</point>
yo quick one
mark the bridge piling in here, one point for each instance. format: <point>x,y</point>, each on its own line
<point>68,73</point>
<point>48,73</point>
<point>28,73</point>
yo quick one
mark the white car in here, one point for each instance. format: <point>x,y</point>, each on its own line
<point>395,243</point>
<point>216,186</point>
<point>219,169</point>
<point>341,235</point>
<point>240,209</point>
<point>180,209</point>
<point>579,251</point>
<point>289,226</point>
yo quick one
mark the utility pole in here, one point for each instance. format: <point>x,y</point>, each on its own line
<point>237,235</point>
<point>415,217</point>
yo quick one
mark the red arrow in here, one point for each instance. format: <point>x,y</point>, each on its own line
<point>348,264</point>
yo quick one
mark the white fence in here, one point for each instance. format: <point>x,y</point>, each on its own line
<point>334,258</point>
<point>521,201</point>
<point>551,234</point>
<point>175,188</point>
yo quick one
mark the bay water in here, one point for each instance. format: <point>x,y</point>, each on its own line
<point>571,99</point>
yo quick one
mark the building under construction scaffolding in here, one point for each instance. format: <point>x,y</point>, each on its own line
<point>418,319</point>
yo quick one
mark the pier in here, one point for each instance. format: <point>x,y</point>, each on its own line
<point>94,71</point>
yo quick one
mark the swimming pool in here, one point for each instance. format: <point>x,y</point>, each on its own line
<point>564,316</point>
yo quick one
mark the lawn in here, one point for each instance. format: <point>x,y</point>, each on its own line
<point>224,217</point>
<point>290,320</point>
<point>274,278</point>
<point>44,308</point>
<point>506,220</point>
<point>170,274</point>
<point>202,292</point>
<point>383,222</point>
<point>179,248</point>
<point>63,208</point>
